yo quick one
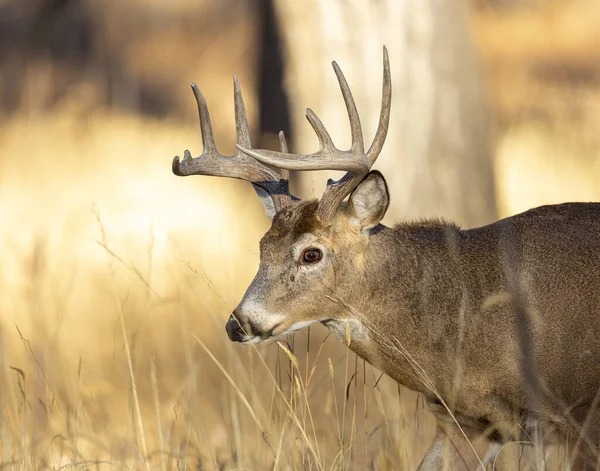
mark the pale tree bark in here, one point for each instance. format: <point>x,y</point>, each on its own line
<point>437,158</point>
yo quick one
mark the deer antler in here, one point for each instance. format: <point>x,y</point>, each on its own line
<point>271,186</point>
<point>355,161</point>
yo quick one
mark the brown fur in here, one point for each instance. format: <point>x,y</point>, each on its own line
<point>514,306</point>
<point>298,220</point>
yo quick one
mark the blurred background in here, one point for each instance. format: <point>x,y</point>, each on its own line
<point>117,277</point>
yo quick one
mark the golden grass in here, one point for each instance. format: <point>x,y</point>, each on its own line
<point>117,278</point>
<point>117,281</point>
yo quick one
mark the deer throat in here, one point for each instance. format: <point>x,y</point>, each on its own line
<point>348,330</point>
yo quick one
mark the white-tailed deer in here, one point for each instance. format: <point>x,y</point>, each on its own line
<point>498,326</point>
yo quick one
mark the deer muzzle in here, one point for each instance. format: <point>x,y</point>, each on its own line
<point>235,331</point>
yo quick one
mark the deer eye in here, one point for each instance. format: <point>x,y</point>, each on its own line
<point>311,256</point>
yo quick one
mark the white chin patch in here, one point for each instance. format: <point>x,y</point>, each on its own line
<point>339,328</point>
<point>297,326</point>
<point>293,328</point>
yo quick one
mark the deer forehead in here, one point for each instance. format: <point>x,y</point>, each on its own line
<point>297,219</point>
<point>299,227</point>
<point>292,223</point>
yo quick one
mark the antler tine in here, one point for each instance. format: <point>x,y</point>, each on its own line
<point>284,173</point>
<point>384,115</point>
<point>242,130</point>
<point>267,182</point>
<point>208,140</point>
<point>358,144</point>
<point>325,141</point>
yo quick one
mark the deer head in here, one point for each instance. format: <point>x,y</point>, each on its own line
<point>313,255</point>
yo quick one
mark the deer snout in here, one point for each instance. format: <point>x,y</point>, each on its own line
<point>251,323</point>
<point>240,328</point>
<point>234,329</point>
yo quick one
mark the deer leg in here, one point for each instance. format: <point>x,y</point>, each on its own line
<point>450,450</point>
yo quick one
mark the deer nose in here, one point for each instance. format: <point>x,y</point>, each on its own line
<point>234,329</point>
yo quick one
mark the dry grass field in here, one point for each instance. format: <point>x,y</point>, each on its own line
<point>117,277</point>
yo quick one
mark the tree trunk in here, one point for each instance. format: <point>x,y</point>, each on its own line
<point>437,158</point>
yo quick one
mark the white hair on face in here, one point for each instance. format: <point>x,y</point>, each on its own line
<point>358,331</point>
<point>297,326</point>
<point>258,316</point>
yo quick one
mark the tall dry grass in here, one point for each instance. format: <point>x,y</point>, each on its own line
<point>117,278</point>
<point>116,281</point>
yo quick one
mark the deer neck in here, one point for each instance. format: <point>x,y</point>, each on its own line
<point>406,281</point>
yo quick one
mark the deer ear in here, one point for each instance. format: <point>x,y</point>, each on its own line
<point>368,202</point>
<point>266,200</point>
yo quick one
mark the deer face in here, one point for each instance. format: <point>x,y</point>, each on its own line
<point>309,268</point>
<point>312,255</point>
